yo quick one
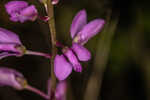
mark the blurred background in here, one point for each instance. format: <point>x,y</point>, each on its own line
<point>120,64</point>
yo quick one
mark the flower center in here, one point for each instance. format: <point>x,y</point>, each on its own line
<point>21,49</point>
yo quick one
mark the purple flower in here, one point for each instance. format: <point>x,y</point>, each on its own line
<point>10,45</point>
<point>21,11</point>
<point>13,78</point>
<point>10,77</point>
<point>81,31</point>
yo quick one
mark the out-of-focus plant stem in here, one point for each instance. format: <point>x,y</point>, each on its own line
<point>51,23</point>
<point>140,55</point>
<point>94,84</point>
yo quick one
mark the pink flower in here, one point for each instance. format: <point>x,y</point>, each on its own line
<point>81,32</point>
<point>10,45</point>
<point>15,79</point>
<point>21,11</point>
<point>10,77</point>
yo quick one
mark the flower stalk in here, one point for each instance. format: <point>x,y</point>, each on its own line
<point>51,24</point>
<point>29,52</point>
<point>35,90</point>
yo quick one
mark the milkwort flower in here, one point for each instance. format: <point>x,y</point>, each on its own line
<point>21,11</point>
<point>15,79</point>
<point>10,45</point>
<point>81,32</point>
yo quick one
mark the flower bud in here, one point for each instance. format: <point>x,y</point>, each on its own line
<point>10,77</point>
<point>10,44</point>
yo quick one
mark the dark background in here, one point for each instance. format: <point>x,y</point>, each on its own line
<point>120,64</point>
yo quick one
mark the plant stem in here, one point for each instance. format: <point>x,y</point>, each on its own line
<point>51,24</point>
<point>29,52</point>
<point>30,88</point>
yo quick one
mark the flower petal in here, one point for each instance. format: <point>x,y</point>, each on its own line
<point>61,89</point>
<point>6,54</point>
<point>8,47</point>
<point>15,6</point>
<point>9,78</point>
<point>54,2</point>
<point>73,59</point>
<point>8,37</point>
<point>82,53</point>
<point>29,13</point>
<point>62,68</point>
<point>90,30</point>
<point>78,22</point>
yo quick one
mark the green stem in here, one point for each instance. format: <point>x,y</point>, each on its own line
<point>51,24</point>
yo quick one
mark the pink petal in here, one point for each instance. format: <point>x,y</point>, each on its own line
<point>73,59</point>
<point>82,53</point>
<point>90,30</point>
<point>15,6</point>
<point>62,68</point>
<point>78,22</point>
<point>29,13</point>
<point>8,37</point>
<point>61,90</point>
<point>6,54</point>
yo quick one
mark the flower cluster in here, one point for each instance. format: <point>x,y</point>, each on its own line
<point>81,32</point>
<point>15,79</point>
<point>10,45</point>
